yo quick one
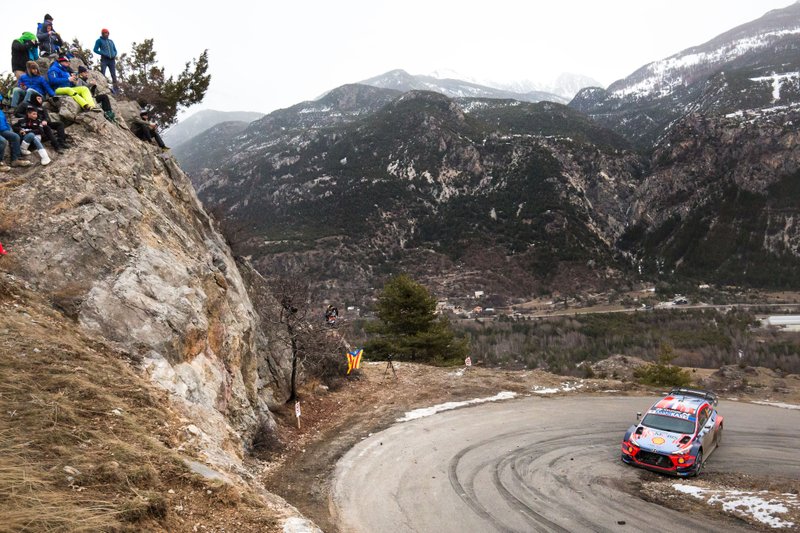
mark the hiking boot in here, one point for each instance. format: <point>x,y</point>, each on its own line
<point>4,167</point>
<point>20,163</point>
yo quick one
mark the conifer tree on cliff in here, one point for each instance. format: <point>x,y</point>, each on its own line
<point>409,328</point>
<point>143,80</point>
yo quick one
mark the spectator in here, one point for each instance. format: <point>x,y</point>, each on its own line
<point>102,99</point>
<point>63,81</point>
<point>2,250</point>
<point>146,130</point>
<point>30,84</point>
<point>57,138</point>
<point>105,48</point>
<point>23,50</point>
<point>30,131</point>
<point>50,42</point>
<point>7,136</point>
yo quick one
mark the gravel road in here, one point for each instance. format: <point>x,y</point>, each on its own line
<point>539,464</point>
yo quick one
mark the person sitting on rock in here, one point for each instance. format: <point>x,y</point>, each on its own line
<point>30,131</point>
<point>8,136</point>
<point>63,80</point>
<point>146,130</point>
<point>50,42</point>
<point>24,49</point>
<point>31,83</point>
<point>103,99</point>
<point>58,138</point>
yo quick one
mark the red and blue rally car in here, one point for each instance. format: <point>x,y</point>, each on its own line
<point>676,433</point>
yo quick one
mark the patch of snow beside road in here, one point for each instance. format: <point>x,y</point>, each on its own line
<point>778,404</point>
<point>428,411</point>
<point>759,505</point>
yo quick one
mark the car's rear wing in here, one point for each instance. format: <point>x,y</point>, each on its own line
<point>707,395</point>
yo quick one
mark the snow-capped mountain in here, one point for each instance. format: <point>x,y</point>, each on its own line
<point>778,29</point>
<point>400,80</point>
<point>753,66</point>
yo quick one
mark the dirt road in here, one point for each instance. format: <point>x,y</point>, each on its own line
<point>539,464</point>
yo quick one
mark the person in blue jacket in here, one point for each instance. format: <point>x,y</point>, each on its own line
<point>7,136</point>
<point>104,47</point>
<point>31,83</point>
<point>64,81</point>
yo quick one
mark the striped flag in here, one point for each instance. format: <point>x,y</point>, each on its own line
<point>354,359</point>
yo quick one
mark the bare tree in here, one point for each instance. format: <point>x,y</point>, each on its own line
<point>288,304</point>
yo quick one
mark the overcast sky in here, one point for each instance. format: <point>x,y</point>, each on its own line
<point>268,55</point>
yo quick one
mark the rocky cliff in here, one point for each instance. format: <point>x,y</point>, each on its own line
<point>113,233</point>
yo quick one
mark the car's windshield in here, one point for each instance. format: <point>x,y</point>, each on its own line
<point>668,423</point>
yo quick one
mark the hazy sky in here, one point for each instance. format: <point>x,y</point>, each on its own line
<point>267,55</point>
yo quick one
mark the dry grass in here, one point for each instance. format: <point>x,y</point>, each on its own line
<point>87,444</point>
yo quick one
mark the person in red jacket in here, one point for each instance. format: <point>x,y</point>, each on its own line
<point>3,251</point>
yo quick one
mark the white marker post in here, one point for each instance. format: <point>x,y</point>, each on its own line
<point>297,412</point>
<point>468,361</point>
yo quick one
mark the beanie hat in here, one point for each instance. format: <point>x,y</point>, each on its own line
<point>82,69</point>
<point>62,59</point>
<point>104,30</point>
<point>48,17</point>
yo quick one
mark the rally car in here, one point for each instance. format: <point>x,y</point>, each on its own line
<point>676,434</point>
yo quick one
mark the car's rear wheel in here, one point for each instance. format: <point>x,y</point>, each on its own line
<point>698,463</point>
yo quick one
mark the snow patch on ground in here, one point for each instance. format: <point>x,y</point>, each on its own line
<point>779,404</point>
<point>300,525</point>
<point>777,80</point>
<point>760,505</point>
<point>429,411</point>
<point>567,386</point>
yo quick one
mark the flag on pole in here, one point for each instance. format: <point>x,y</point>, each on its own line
<point>354,359</point>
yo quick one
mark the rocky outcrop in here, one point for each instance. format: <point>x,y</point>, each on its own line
<point>113,232</point>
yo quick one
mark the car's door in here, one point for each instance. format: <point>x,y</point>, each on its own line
<point>705,426</point>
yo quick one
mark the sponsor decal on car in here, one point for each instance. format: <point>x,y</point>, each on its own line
<point>676,414</point>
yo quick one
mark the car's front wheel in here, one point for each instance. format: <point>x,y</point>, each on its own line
<point>698,463</point>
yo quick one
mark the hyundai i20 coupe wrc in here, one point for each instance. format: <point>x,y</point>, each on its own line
<point>676,434</point>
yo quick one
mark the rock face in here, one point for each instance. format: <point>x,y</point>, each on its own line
<point>113,231</point>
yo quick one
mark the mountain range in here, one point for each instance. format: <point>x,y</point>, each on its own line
<point>685,170</point>
<point>202,120</point>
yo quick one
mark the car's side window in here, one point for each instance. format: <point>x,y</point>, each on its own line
<point>702,418</point>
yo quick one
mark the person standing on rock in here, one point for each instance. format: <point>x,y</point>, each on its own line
<point>30,131</point>
<point>104,47</point>
<point>7,136</point>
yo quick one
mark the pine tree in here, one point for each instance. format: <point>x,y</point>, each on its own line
<point>408,327</point>
<point>143,80</point>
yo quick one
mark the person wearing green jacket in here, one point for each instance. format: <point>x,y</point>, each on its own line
<point>23,50</point>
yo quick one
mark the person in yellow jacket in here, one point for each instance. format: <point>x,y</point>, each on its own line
<point>63,81</point>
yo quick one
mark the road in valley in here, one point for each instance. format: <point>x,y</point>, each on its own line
<point>538,464</point>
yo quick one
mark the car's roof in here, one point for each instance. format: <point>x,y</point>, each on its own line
<point>679,403</point>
